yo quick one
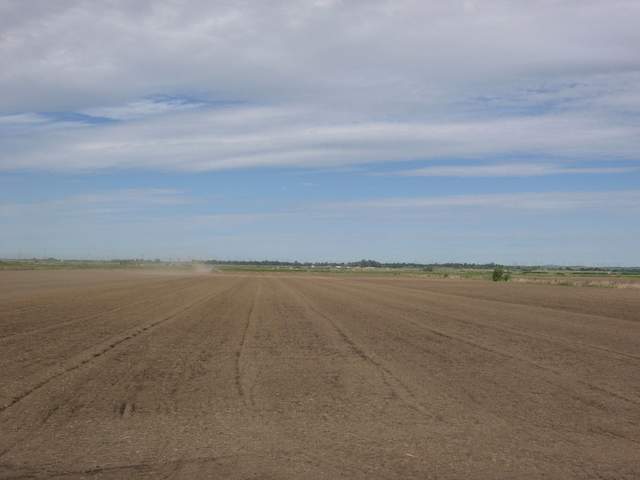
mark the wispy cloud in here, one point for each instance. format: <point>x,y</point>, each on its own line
<point>242,137</point>
<point>21,119</point>
<point>507,170</point>
<point>417,80</point>
<point>522,227</point>
<point>144,108</point>
<point>100,202</point>
<point>551,201</point>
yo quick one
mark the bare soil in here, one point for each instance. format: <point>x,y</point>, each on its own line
<point>109,375</point>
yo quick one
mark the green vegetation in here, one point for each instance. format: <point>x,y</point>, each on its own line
<point>555,275</point>
<point>569,276</point>
<point>57,264</point>
<point>499,274</point>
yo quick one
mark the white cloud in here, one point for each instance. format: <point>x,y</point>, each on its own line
<point>21,119</point>
<point>99,202</point>
<point>546,202</point>
<point>241,137</point>
<point>316,84</point>
<point>555,227</point>
<point>142,109</point>
<point>142,202</point>
<point>79,54</point>
<point>508,170</point>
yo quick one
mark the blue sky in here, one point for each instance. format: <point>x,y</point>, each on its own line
<point>400,131</point>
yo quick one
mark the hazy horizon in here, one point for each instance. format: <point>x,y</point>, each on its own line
<point>255,261</point>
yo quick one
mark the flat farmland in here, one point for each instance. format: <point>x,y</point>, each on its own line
<point>118,374</point>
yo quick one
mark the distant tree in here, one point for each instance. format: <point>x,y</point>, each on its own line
<point>365,263</point>
<point>498,274</point>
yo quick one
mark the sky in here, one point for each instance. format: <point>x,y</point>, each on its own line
<point>420,131</point>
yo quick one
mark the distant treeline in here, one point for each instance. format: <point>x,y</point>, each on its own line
<point>456,265</point>
<point>364,263</point>
<point>120,261</point>
<point>359,263</point>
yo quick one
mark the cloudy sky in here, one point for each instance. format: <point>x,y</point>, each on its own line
<point>504,131</point>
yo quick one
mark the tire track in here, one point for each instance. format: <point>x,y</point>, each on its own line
<point>240,379</point>
<point>503,354</point>
<point>152,289</point>
<point>104,350</point>
<point>414,292</point>
<point>195,353</point>
<point>399,388</point>
<point>524,303</point>
<point>89,318</point>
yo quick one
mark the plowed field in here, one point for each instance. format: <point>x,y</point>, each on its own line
<point>129,375</point>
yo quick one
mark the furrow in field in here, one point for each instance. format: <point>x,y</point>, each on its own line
<point>240,378</point>
<point>131,357</point>
<point>590,301</point>
<point>391,380</point>
<point>465,362</point>
<point>98,351</point>
<point>547,339</point>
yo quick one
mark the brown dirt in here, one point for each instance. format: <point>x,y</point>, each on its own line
<point>119,375</point>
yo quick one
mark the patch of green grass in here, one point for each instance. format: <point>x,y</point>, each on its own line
<point>54,264</point>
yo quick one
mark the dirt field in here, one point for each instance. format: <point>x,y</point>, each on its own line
<point>130,375</point>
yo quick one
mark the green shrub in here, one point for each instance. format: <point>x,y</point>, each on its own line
<point>498,274</point>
